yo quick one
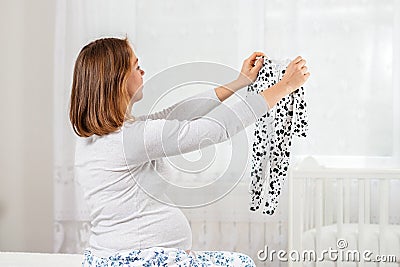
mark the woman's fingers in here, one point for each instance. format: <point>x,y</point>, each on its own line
<point>250,68</point>
<point>259,64</point>
<point>301,63</point>
<point>254,56</point>
<point>296,60</point>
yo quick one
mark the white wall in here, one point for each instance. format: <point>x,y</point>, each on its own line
<point>26,138</point>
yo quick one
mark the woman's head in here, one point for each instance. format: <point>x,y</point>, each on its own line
<point>106,77</point>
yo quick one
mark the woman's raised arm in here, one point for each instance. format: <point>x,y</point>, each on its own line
<point>152,139</point>
<point>202,103</point>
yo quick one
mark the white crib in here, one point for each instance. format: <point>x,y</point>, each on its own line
<point>342,209</point>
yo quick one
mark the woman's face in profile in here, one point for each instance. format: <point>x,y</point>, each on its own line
<point>135,80</point>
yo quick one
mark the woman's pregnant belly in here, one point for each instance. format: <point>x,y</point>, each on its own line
<point>165,226</point>
<point>151,224</point>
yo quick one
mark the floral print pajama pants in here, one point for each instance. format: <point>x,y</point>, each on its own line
<point>160,256</point>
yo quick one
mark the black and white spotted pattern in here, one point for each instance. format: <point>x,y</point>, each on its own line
<point>273,136</point>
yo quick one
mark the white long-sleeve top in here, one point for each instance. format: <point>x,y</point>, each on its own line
<point>113,170</point>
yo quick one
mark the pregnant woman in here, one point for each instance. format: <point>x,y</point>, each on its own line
<point>117,154</point>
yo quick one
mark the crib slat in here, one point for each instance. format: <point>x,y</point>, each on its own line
<point>361,215</point>
<point>318,214</point>
<point>383,213</point>
<point>307,215</point>
<point>347,200</point>
<point>300,213</point>
<point>339,209</point>
<point>318,204</point>
<point>311,188</point>
<point>300,209</point>
<point>310,191</point>
<point>367,198</point>
<point>339,206</point>
<point>328,211</point>
<point>361,206</point>
<point>383,201</point>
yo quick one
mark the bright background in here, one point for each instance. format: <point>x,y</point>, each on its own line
<point>352,49</point>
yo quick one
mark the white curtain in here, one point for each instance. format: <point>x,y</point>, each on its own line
<point>352,49</point>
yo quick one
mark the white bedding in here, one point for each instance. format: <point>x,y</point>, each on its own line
<point>23,259</point>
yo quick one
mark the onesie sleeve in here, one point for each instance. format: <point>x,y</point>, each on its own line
<point>188,108</point>
<point>157,138</point>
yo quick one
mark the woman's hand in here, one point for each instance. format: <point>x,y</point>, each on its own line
<point>251,67</point>
<point>295,75</point>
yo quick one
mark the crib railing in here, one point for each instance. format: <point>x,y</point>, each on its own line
<point>320,197</point>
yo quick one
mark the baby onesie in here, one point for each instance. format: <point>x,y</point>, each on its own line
<point>273,136</point>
